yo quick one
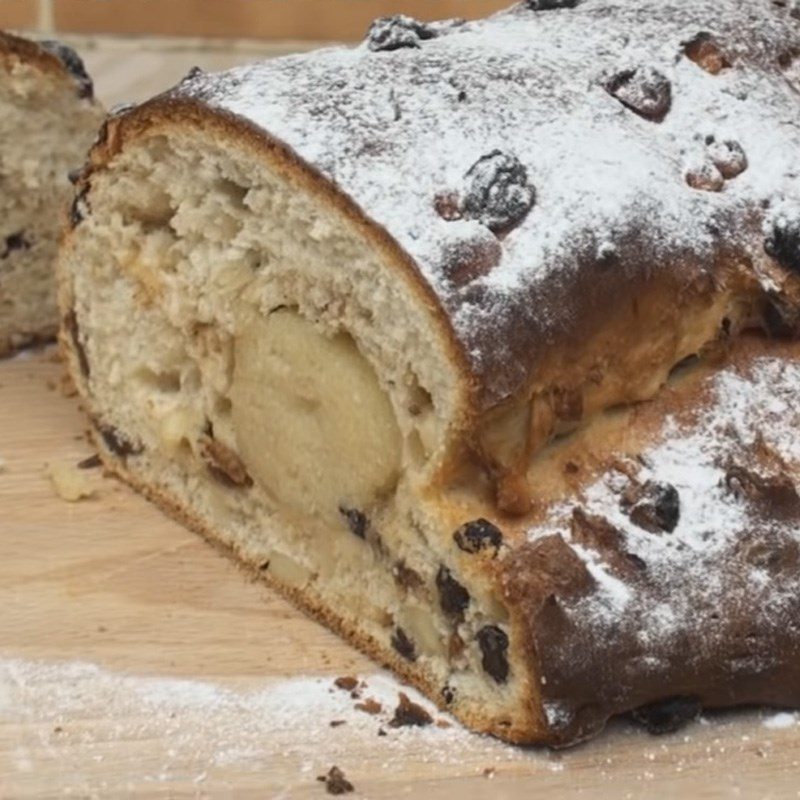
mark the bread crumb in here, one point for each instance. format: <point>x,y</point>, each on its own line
<point>336,782</point>
<point>70,483</point>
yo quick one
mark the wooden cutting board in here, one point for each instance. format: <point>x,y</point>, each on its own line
<point>136,661</point>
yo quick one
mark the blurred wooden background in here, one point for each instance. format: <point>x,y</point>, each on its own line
<point>259,19</point>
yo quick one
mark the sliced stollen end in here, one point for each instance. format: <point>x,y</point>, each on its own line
<point>48,120</point>
<point>320,313</point>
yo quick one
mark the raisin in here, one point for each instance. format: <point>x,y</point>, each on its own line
<point>346,682</point>
<point>478,535</point>
<point>118,443</point>
<point>223,463</point>
<point>398,32</point>
<point>728,157</point>
<point>448,694</point>
<point>73,64</point>
<point>667,716</point>
<point>653,506</point>
<point>493,642</point>
<point>466,260</point>
<point>403,644</point>
<point>704,51</point>
<point>369,706</point>
<point>550,5</point>
<point>498,194</point>
<point>356,520</point>
<point>783,242</point>
<point>644,90</point>
<point>14,242</point>
<point>409,713</point>
<point>70,323</point>
<point>336,782</point>
<point>405,577</point>
<point>453,597</point>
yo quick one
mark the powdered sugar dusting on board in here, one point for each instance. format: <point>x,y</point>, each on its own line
<point>79,710</point>
<point>394,130</point>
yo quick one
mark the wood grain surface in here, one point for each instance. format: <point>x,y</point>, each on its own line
<point>136,661</point>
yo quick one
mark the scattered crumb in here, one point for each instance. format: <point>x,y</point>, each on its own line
<point>382,732</point>
<point>370,706</point>
<point>58,729</point>
<point>335,723</point>
<point>336,782</point>
<point>90,463</point>
<point>69,482</point>
<point>488,772</point>
<point>347,682</point>
<point>409,713</point>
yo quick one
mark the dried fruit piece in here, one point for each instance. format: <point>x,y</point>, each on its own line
<point>405,577</point>
<point>453,597</point>
<point>403,644</point>
<point>356,520</point>
<point>397,32</point>
<point>498,194</point>
<point>653,506</point>
<point>117,442</point>
<point>466,260</point>
<point>704,50</point>
<point>550,5</point>
<point>223,463</point>
<point>336,782</point>
<point>409,713</point>
<point>644,90</point>
<point>783,241</point>
<point>667,716</point>
<point>369,706</point>
<point>728,157</point>
<point>73,64</point>
<point>493,642</point>
<point>448,694</point>
<point>479,535</point>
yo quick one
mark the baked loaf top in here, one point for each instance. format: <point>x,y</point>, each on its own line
<point>540,166</point>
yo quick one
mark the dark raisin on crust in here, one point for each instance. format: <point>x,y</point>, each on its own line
<point>117,442</point>
<point>667,716</point>
<point>409,713</point>
<point>15,241</point>
<point>70,323</point>
<point>654,506</point>
<point>356,520</point>
<point>783,242</point>
<point>498,193</point>
<point>336,782</point>
<point>643,90</point>
<point>493,642</point>
<point>403,644</point>
<point>728,156</point>
<point>73,64</point>
<point>453,597</point>
<point>705,51</point>
<point>550,5</point>
<point>479,535</point>
<point>448,694</point>
<point>398,32</point>
<point>223,463</point>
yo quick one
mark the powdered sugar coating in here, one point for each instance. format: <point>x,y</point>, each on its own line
<point>394,129</point>
<point>721,592</point>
